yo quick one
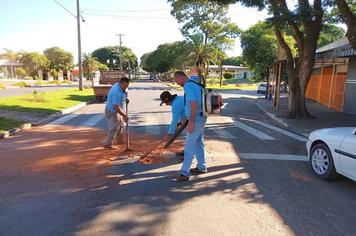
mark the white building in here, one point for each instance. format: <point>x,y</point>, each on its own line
<point>240,72</point>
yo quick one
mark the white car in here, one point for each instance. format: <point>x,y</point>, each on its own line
<point>332,151</point>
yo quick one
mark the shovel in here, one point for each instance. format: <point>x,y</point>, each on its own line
<point>127,130</point>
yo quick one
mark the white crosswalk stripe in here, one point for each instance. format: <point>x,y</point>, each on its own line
<point>258,134</point>
<point>279,130</point>
<point>277,157</point>
<point>93,120</point>
<point>64,119</point>
<point>222,133</point>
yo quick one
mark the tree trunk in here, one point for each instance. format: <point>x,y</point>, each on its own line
<point>296,101</point>
<point>350,20</point>
<point>221,74</point>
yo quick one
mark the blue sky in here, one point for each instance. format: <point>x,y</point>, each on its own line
<point>34,25</point>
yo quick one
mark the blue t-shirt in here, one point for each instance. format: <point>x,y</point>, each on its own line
<point>115,97</point>
<point>195,78</point>
<point>177,113</point>
<point>193,92</point>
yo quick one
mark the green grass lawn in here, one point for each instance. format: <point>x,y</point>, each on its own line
<point>7,124</point>
<point>49,102</point>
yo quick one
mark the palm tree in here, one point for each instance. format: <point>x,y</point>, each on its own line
<point>200,54</point>
<point>90,64</point>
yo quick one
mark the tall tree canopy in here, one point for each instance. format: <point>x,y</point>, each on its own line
<point>259,49</point>
<point>235,61</point>
<point>164,58</point>
<point>59,59</point>
<point>304,20</point>
<point>33,62</point>
<point>329,33</point>
<point>143,62</point>
<point>207,21</point>
<point>112,53</point>
<point>347,10</point>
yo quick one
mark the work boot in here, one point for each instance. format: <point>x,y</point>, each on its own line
<point>196,171</point>
<point>182,178</point>
<point>181,153</point>
<point>106,146</point>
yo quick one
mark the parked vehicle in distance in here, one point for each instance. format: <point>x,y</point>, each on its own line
<point>262,88</point>
<point>332,151</point>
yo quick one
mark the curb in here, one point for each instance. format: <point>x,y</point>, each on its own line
<point>13,131</point>
<point>272,116</point>
<point>46,120</point>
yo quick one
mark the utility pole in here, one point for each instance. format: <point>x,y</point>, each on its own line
<point>120,49</point>
<point>79,50</point>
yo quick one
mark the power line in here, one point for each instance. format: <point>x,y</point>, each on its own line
<point>65,9</point>
<point>75,16</point>
<point>103,10</point>
<point>122,16</point>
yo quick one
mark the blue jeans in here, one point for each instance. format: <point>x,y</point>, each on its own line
<point>194,146</point>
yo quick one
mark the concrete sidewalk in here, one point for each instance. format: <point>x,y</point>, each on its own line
<point>325,117</point>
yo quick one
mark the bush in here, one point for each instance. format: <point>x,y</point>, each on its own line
<point>28,78</point>
<point>40,83</point>
<point>57,82</point>
<point>22,84</point>
<point>228,75</point>
<point>20,72</point>
<point>2,86</point>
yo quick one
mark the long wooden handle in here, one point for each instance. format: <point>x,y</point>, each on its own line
<point>175,135</point>
<point>127,128</point>
<point>153,148</point>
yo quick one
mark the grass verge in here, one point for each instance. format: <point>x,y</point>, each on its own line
<point>7,124</point>
<point>50,102</point>
<point>231,84</point>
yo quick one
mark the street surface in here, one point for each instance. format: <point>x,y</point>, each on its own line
<point>258,180</point>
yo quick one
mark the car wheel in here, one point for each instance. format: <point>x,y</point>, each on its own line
<point>322,163</point>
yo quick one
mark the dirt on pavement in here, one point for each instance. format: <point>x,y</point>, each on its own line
<point>35,160</point>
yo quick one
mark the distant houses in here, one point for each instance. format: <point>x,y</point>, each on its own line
<point>7,67</point>
<point>240,72</point>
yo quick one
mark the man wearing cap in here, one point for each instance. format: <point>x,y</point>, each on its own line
<point>178,115</point>
<point>194,141</point>
<point>114,105</point>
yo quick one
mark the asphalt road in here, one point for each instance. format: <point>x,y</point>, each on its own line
<point>258,183</point>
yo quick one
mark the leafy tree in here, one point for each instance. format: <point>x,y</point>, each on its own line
<point>90,64</point>
<point>20,72</point>
<point>103,67</point>
<point>211,30</point>
<point>112,53</point>
<point>143,62</point>
<point>347,10</point>
<point>164,58</point>
<point>200,55</point>
<point>59,59</point>
<point>33,62</point>
<point>234,61</point>
<point>305,23</point>
<point>260,49</point>
<point>329,33</point>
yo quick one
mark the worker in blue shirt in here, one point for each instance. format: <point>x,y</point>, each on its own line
<point>194,141</point>
<point>178,115</point>
<point>115,103</point>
